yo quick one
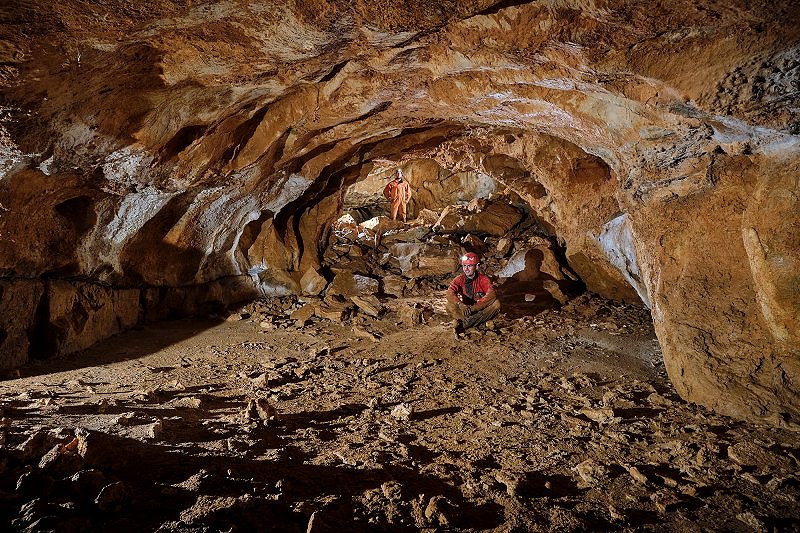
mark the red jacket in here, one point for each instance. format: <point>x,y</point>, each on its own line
<point>481,285</point>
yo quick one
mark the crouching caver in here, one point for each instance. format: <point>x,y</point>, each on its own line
<point>471,299</point>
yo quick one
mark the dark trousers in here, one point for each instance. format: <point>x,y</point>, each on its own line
<point>475,319</point>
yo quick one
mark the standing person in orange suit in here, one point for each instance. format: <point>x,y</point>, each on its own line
<point>398,192</point>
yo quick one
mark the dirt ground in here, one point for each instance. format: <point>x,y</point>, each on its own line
<point>564,421</point>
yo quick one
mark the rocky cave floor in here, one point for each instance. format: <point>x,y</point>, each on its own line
<point>564,421</point>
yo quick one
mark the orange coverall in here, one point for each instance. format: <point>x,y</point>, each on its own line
<point>399,193</point>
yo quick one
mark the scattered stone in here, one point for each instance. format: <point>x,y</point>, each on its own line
<point>88,482</point>
<point>347,284</point>
<point>392,490</point>
<point>334,313</point>
<point>34,482</point>
<point>599,415</point>
<point>658,400</point>
<point>504,245</point>
<point>235,317</point>
<point>368,304</point>
<point>517,484</point>
<point>394,285</point>
<point>101,450</point>
<point>206,506</point>
<point>260,381</point>
<point>154,430</point>
<point>666,501</point>
<point>361,332</point>
<point>304,313</point>
<point>62,459</point>
<point>238,444</point>
<point>439,511</point>
<point>402,412</point>
<point>591,472</point>
<point>187,402</point>
<point>259,409</point>
<point>751,454</point>
<point>637,475</point>
<point>751,520</point>
<point>555,291</point>
<point>37,445</point>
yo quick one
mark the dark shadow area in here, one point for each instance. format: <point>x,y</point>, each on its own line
<point>432,413</point>
<point>222,492</point>
<point>132,344</point>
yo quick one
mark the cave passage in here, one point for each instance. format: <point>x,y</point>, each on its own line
<point>208,322</point>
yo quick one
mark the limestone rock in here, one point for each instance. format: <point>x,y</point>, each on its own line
<point>617,241</point>
<point>112,497</point>
<point>19,300</point>
<point>434,265</point>
<point>416,234</point>
<point>312,283</point>
<point>439,511</point>
<point>504,245</point>
<point>591,472</point>
<point>427,216</point>
<point>259,409</point>
<point>751,454</point>
<point>495,219</point>
<point>394,285</point>
<point>347,284</point>
<point>402,412</point>
<point>303,313</point>
<point>204,155</point>
<point>368,304</point>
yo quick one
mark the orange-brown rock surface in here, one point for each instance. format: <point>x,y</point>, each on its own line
<point>198,153</point>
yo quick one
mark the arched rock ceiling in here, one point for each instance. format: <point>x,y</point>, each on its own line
<point>172,143</point>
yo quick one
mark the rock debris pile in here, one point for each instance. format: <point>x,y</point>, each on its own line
<point>383,258</point>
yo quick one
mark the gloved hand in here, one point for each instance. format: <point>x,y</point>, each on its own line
<point>467,310</point>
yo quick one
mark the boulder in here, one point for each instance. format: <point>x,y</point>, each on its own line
<point>368,304</point>
<point>474,243</point>
<point>406,254</point>
<point>724,295</point>
<point>328,312</point>
<point>333,307</point>
<point>394,285</point>
<point>347,284</point>
<point>419,260</point>
<point>428,216</point>
<point>312,282</point>
<point>304,313</point>
<point>435,265</point>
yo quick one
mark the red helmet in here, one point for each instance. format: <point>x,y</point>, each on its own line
<point>470,258</point>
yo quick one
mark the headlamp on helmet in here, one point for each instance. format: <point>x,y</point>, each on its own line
<point>470,258</point>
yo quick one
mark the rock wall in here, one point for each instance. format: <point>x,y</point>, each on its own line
<point>58,317</point>
<point>173,147</point>
<point>724,302</point>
